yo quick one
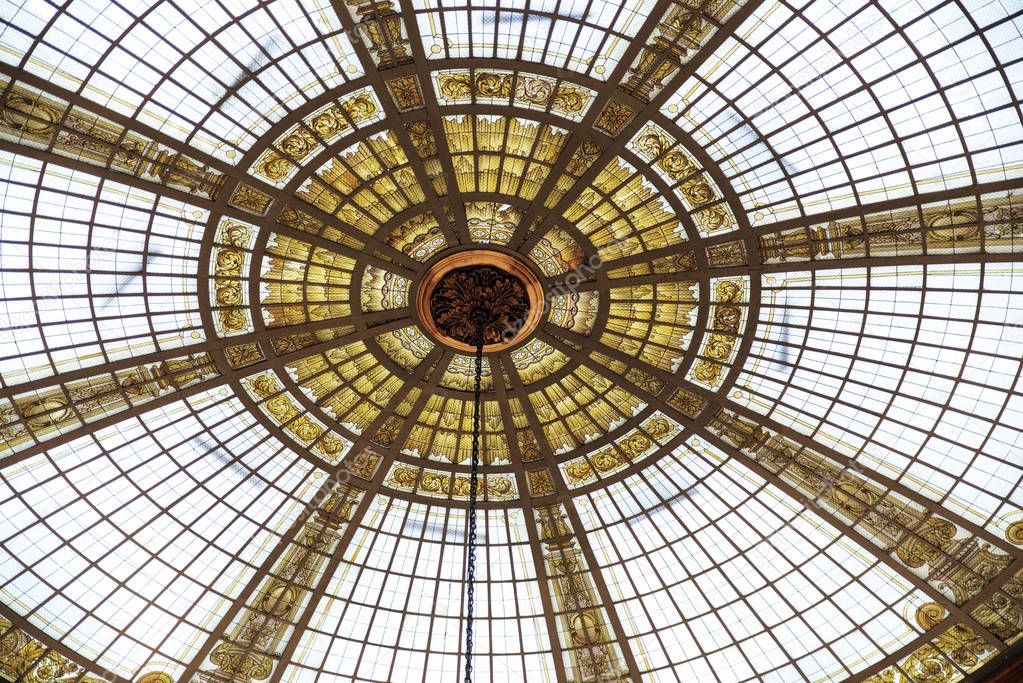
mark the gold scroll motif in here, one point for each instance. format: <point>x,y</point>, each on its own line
<point>293,147</point>
<point>442,485</point>
<point>729,295</point>
<point>624,451</point>
<point>1014,533</point>
<point>1002,613</point>
<point>31,118</point>
<point>957,226</point>
<point>586,636</point>
<point>945,659</point>
<point>381,25</point>
<point>957,564</point>
<point>250,652</point>
<point>155,677</point>
<point>460,86</point>
<point>283,411</point>
<point>228,287</point>
<point>388,431</point>
<point>53,409</point>
<point>695,188</point>
<point>645,381</point>
<point>582,159</point>
<point>681,32</point>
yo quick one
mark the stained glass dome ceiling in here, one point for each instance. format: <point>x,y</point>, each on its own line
<point>766,428</point>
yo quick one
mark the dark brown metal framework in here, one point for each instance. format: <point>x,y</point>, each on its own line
<point>577,347</point>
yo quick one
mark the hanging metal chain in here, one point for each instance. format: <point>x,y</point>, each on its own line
<point>470,571</point>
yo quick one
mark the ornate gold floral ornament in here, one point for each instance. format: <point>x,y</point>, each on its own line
<point>946,658</point>
<point>31,118</point>
<point>380,24</point>
<point>25,659</point>
<point>728,317</point>
<point>953,561</point>
<point>1002,613</point>
<point>438,484</point>
<point>285,156</point>
<point>727,254</point>
<point>243,355</point>
<point>687,403</point>
<point>249,199</point>
<point>682,31</point>
<point>231,316</point>
<point>506,87</point>
<point>280,407</point>
<point>406,92</point>
<point>690,181</point>
<point>954,227</point>
<point>590,649</point>
<point>252,648</point>
<point>624,451</point>
<point>44,413</point>
<point>615,116</point>
<point>540,482</point>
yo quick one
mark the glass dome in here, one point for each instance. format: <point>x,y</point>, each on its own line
<point>764,422</point>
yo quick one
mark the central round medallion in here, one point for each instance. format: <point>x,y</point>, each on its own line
<point>480,291</point>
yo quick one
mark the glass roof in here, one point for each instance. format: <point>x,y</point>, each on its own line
<point>769,426</point>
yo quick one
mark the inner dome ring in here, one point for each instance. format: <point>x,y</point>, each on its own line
<point>466,260</point>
